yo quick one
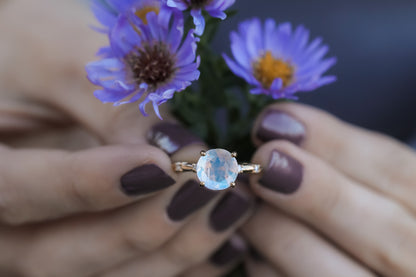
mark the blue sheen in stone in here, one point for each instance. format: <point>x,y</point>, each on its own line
<point>217,169</point>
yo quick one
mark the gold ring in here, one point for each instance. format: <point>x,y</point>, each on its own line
<point>217,169</point>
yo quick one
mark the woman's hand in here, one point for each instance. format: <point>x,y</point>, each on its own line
<point>338,200</point>
<point>113,207</point>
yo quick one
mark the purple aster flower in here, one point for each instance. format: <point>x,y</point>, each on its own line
<point>148,62</point>
<point>277,60</point>
<point>215,8</point>
<point>107,11</point>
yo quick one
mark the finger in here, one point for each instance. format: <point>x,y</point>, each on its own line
<point>369,158</point>
<point>295,249</point>
<point>50,183</point>
<point>71,138</point>
<point>107,240</point>
<point>222,261</point>
<point>353,216</point>
<point>196,241</point>
<point>55,76</point>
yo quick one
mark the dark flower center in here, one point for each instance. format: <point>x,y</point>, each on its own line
<point>197,3</point>
<point>151,64</point>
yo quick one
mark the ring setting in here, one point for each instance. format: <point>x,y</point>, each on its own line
<point>217,169</point>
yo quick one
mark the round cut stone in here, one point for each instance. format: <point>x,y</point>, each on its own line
<point>217,169</point>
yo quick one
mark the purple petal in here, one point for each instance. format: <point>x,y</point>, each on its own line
<point>218,14</point>
<point>269,29</point>
<point>238,70</point>
<point>179,4</point>
<point>123,37</point>
<point>239,50</point>
<point>122,6</point>
<point>258,90</point>
<point>154,27</point>
<point>199,21</point>
<point>105,52</point>
<point>187,52</point>
<point>103,14</point>
<point>107,96</point>
<point>188,76</point>
<point>254,38</point>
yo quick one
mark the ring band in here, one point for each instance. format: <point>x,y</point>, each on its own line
<point>217,169</point>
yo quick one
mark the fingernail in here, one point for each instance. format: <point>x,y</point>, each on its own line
<point>189,198</point>
<point>283,174</point>
<point>231,251</point>
<point>229,210</point>
<point>280,125</point>
<point>145,179</point>
<point>171,137</point>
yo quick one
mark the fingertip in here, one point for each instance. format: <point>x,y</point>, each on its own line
<point>281,172</point>
<point>279,122</point>
<point>110,176</point>
<point>172,137</point>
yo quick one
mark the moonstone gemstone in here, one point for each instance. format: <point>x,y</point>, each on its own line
<point>217,169</point>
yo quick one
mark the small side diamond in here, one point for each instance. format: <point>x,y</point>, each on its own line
<point>178,167</point>
<point>257,168</point>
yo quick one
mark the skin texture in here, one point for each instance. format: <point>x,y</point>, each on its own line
<point>63,155</point>
<point>352,214</point>
<point>75,197</point>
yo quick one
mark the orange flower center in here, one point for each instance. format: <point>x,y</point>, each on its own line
<point>141,13</point>
<point>268,68</point>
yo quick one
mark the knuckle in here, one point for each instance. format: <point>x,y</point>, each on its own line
<point>134,242</point>
<point>329,201</point>
<point>71,172</point>
<point>189,253</point>
<point>32,262</point>
<point>9,214</point>
<point>396,255</point>
<point>118,126</point>
<point>179,256</point>
<point>391,262</point>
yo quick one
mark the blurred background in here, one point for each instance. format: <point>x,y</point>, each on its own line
<point>375,43</point>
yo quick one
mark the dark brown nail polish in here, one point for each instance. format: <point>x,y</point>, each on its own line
<point>189,198</point>
<point>229,252</point>
<point>229,210</point>
<point>171,137</point>
<point>145,179</point>
<point>283,174</point>
<point>280,125</point>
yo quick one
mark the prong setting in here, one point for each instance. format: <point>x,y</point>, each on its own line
<point>203,153</point>
<point>232,185</point>
<point>234,154</point>
<point>202,184</point>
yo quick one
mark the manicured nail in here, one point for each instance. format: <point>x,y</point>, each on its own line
<point>231,251</point>
<point>189,198</point>
<point>283,174</point>
<point>171,137</point>
<point>229,210</point>
<point>145,179</point>
<point>280,125</point>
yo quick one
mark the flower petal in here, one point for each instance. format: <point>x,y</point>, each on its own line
<point>123,37</point>
<point>199,21</point>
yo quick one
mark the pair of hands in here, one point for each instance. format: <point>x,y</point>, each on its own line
<point>84,193</point>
